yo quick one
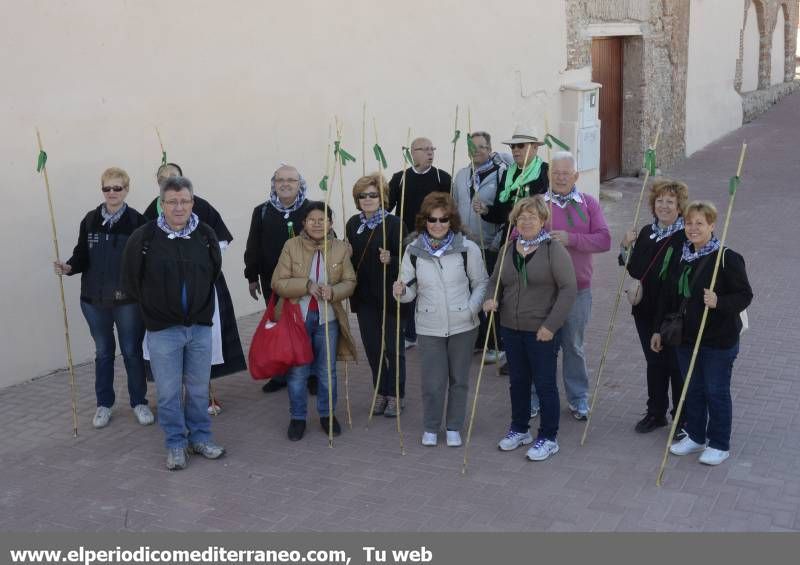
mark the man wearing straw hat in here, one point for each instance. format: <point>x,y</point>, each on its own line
<point>421,179</point>
<point>577,222</point>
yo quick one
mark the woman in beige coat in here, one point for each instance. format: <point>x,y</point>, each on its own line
<point>318,282</point>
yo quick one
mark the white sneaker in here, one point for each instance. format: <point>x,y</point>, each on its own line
<point>429,439</point>
<point>514,439</point>
<point>712,456</point>
<point>686,446</point>
<point>101,417</point>
<point>494,356</point>
<point>410,344</point>
<point>453,439</point>
<point>143,414</point>
<point>542,449</point>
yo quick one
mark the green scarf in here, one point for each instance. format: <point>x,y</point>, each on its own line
<point>529,174</point>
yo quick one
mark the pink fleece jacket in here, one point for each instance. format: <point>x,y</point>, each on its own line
<point>585,238</point>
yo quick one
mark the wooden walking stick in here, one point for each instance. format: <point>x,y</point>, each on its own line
<point>650,165</point>
<point>503,250</point>
<point>407,160</point>
<point>41,167</point>
<point>363,141</point>
<point>342,158</point>
<point>381,158</point>
<point>733,184</point>
<point>456,135</point>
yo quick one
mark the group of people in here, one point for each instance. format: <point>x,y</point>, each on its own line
<point>511,238</point>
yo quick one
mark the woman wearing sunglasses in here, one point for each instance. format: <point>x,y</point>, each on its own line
<point>444,271</point>
<point>370,253</point>
<point>102,236</point>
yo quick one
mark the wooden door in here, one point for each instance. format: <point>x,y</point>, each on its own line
<point>607,70</point>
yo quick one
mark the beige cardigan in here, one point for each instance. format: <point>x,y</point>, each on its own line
<point>290,281</point>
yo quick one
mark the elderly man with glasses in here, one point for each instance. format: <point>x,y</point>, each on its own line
<point>169,267</point>
<point>421,180</point>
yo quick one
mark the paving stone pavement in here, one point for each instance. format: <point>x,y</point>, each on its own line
<point>115,480</point>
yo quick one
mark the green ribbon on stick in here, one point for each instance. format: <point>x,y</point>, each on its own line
<point>456,136</point>
<point>407,156</point>
<point>379,156</point>
<point>733,184</point>
<point>323,184</point>
<point>341,154</point>
<point>471,149</point>
<point>41,161</point>
<point>163,157</point>
<point>550,139</point>
<point>650,161</point>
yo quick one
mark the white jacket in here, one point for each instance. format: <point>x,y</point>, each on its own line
<point>449,294</point>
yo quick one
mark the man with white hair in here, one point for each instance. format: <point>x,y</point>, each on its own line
<point>578,223</point>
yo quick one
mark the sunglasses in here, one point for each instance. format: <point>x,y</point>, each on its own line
<point>365,195</point>
<point>518,145</point>
<point>114,188</point>
<point>442,220</point>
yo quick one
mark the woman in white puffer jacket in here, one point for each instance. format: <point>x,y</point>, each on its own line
<point>444,271</point>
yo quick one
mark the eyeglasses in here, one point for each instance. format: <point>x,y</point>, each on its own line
<point>365,195</point>
<point>442,220</point>
<point>519,145</point>
<point>285,181</point>
<point>176,203</point>
<point>425,149</point>
<point>114,188</point>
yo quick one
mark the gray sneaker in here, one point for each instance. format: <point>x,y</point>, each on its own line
<point>176,458</point>
<point>392,407</point>
<point>143,414</point>
<point>101,417</point>
<point>209,450</point>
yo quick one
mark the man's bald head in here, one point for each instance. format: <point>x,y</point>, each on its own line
<point>422,152</point>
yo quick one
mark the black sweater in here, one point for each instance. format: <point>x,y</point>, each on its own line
<point>269,231</point>
<point>369,270</point>
<point>98,255</point>
<point>499,211</point>
<point>418,186</point>
<point>733,295</point>
<point>155,269</point>
<point>643,257</point>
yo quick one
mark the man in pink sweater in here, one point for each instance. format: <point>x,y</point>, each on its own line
<point>578,223</point>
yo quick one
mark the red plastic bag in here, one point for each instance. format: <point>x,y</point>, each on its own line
<point>279,346</point>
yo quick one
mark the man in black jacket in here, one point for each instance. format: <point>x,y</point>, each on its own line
<point>169,266</point>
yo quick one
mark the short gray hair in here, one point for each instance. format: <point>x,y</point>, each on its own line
<point>564,156</point>
<point>484,135</point>
<point>176,184</point>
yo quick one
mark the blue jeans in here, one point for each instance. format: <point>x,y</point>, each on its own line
<point>532,361</point>
<point>297,377</point>
<point>130,329</point>
<point>573,362</point>
<point>180,357</point>
<point>709,409</point>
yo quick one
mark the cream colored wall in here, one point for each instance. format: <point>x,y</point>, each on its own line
<point>750,51</point>
<point>235,89</point>
<point>713,107</point>
<point>778,53</point>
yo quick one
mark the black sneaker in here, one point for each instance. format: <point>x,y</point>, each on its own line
<point>680,432</point>
<point>296,429</point>
<point>312,384</point>
<point>324,421</point>
<point>650,423</point>
<point>274,385</point>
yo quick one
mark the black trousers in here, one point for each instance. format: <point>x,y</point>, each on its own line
<point>663,372</point>
<point>369,324</point>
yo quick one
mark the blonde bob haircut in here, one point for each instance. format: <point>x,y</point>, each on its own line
<point>705,208</point>
<point>668,186</point>
<point>532,204</point>
<point>115,173</point>
<point>375,179</point>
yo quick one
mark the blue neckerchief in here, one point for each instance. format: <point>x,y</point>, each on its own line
<point>372,222</point>
<point>437,247</point>
<point>660,233</point>
<point>544,235</point>
<point>688,255</point>
<point>183,233</point>
<point>563,199</point>
<point>476,172</point>
<point>109,218</point>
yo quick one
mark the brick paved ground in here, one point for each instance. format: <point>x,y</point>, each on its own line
<point>114,479</point>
